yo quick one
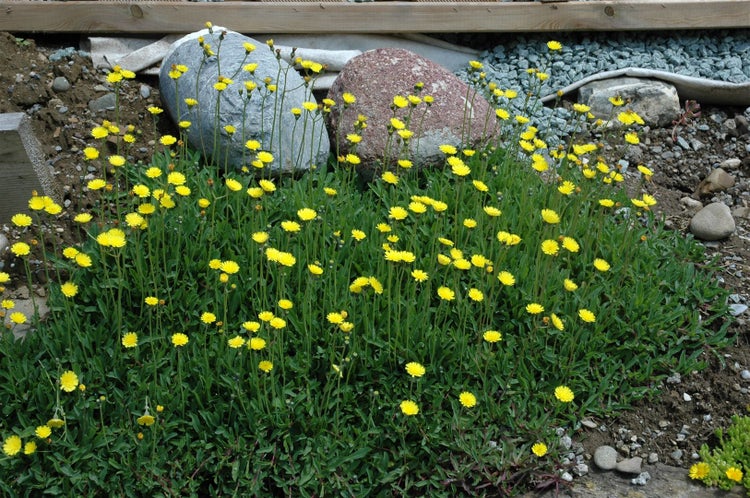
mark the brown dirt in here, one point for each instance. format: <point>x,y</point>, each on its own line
<point>657,426</point>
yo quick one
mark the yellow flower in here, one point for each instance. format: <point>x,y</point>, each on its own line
<point>550,216</point>
<point>21,220</point>
<point>606,202</point>
<point>467,399</point>
<point>20,249</point>
<point>734,474</point>
<point>358,235</point>
<point>557,322</point>
<point>90,153</point>
<point>446,294</point>
<point>167,140</point>
<point>290,226</point>
<point>470,223</point>
<point>43,431</point>
<point>207,317</point>
<point>18,318</point>
<point>146,420</point>
<point>96,184</point>
<point>265,366</point>
<point>69,289</point>
<point>315,269</point>
<point>492,211</point>
<point>251,326</point>
<point>68,381</point>
<point>448,149</point>
<point>55,423</point>
<point>601,265</point>
<point>130,340</point>
<point>480,185</point>
<point>581,108</point>
<point>586,315</point>
<point>419,275</point>
<point>179,339</point>
<point>390,177</point>
<point>699,470</point>
<point>564,394</point>
<point>277,323</point>
<point>476,295</point>
<point>458,167</point>
<point>506,278</point>
<point>569,285</point>
<point>415,369</point>
<point>554,46</point>
<point>550,247</point>
<point>348,98</point>
<point>397,213</point>
<point>647,173</point>
<point>306,214</point>
<point>256,343</point>
<point>539,449</point>
<point>237,342</point>
<point>12,445</point>
<point>492,336</point>
<point>616,101</point>
<point>409,408</point>
<point>83,260</point>
<point>570,244</point>
<point>116,161</point>
<point>534,308</point>
<point>233,184</point>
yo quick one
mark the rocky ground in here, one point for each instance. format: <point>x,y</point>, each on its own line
<point>61,97</point>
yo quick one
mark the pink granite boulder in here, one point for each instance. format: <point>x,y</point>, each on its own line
<point>458,114</point>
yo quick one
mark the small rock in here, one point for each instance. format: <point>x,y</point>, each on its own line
<point>717,181</point>
<point>630,465</point>
<point>675,378</point>
<point>587,422</point>
<point>745,374</point>
<point>145,91</point>
<point>736,310</point>
<point>741,212</point>
<point>642,479</point>
<point>663,424</point>
<point>567,477</point>
<point>581,469</point>
<point>104,103</point>
<point>566,442</point>
<point>605,457</point>
<point>653,458</point>
<point>732,163</point>
<point>693,205</point>
<point>713,222</point>
<point>676,455</point>
<point>61,84</point>
<point>687,397</point>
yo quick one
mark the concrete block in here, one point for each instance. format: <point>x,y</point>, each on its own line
<point>23,168</point>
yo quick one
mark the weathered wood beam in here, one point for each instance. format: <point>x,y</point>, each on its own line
<point>161,17</point>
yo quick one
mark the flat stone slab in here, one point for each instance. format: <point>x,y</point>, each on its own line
<point>23,168</point>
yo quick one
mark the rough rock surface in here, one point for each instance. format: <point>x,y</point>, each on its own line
<point>265,116</point>
<point>375,77</point>
<point>655,101</point>
<point>605,457</point>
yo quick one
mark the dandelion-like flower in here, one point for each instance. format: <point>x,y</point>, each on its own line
<point>179,339</point>
<point>306,214</point>
<point>68,381</point>
<point>586,315</point>
<point>43,431</point>
<point>550,216</point>
<point>409,408</point>
<point>207,317</point>
<point>146,420</point>
<point>539,449</point>
<point>415,369</point>
<point>564,394</point>
<point>20,249</point>
<point>699,470</point>
<point>237,342</point>
<point>12,445</point>
<point>534,308</point>
<point>69,289</point>
<point>601,265</point>
<point>550,247</point>
<point>492,336</point>
<point>265,366</point>
<point>734,474</point>
<point>129,340</point>
<point>467,399</point>
<point>446,293</point>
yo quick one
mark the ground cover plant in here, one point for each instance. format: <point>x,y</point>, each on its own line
<point>231,333</point>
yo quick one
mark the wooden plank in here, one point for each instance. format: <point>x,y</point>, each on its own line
<point>162,17</point>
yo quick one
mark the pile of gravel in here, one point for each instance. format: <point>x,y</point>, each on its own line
<point>716,55</point>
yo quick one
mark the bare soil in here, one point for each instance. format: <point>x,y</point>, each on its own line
<point>654,428</point>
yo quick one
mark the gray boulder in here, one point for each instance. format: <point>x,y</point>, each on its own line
<point>713,222</point>
<point>655,101</point>
<point>458,116</point>
<point>266,116</point>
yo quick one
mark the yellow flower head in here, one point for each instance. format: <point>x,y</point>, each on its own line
<point>699,470</point>
<point>492,336</point>
<point>586,315</point>
<point>409,408</point>
<point>12,445</point>
<point>415,369</point>
<point>467,399</point>
<point>539,449</point>
<point>179,339</point>
<point>68,381</point>
<point>550,216</point>
<point>564,394</point>
<point>446,293</point>
<point>129,340</point>
<point>534,308</point>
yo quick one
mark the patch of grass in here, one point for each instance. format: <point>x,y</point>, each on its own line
<point>227,333</point>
